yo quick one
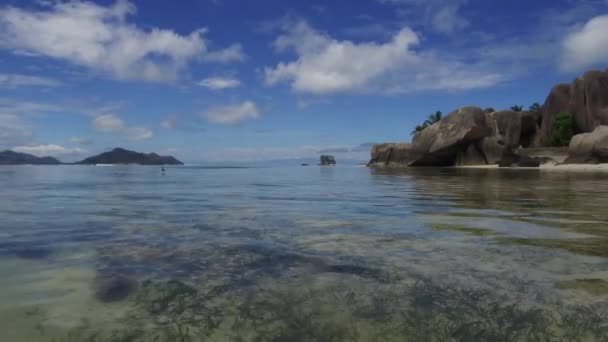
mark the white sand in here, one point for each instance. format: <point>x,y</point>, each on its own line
<point>550,167</point>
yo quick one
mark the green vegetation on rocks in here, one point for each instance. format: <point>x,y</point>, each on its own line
<point>563,129</point>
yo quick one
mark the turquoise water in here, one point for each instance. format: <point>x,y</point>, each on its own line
<point>303,254</point>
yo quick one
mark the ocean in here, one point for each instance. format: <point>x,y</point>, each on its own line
<point>290,253</point>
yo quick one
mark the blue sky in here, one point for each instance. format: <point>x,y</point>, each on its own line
<point>214,80</point>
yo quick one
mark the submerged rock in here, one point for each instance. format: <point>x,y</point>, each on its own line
<point>113,287</point>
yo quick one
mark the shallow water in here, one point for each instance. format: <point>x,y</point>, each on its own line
<point>303,254</point>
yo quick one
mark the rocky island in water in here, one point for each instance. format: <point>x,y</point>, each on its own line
<point>571,127</point>
<point>122,156</point>
<point>15,158</point>
<point>115,156</point>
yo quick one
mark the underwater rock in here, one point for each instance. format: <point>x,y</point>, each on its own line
<point>113,287</point>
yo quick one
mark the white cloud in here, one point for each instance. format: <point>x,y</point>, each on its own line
<point>138,133</point>
<point>80,141</point>
<point>14,130</point>
<point>233,53</point>
<point>390,67</point>
<point>17,80</point>
<point>110,123</point>
<point>447,19</point>
<point>233,114</point>
<point>442,16</point>
<point>219,83</point>
<point>587,45</point>
<point>169,122</point>
<point>48,150</point>
<point>101,38</point>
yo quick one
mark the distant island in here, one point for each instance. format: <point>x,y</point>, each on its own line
<point>122,156</point>
<point>116,156</point>
<point>571,127</point>
<point>15,158</point>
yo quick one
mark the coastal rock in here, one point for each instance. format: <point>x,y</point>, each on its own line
<point>327,160</point>
<point>15,158</point>
<point>390,153</point>
<point>512,159</point>
<point>557,101</point>
<point>589,100</point>
<point>507,126</point>
<point>472,155</point>
<point>586,99</point>
<point>113,287</point>
<point>589,147</point>
<point>492,148</point>
<point>439,144</point>
<point>122,156</point>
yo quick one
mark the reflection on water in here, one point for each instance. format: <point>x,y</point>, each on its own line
<point>302,254</point>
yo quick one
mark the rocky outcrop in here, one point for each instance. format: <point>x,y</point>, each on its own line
<point>327,160</point>
<point>586,99</point>
<point>440,144</point>
<point>589,147</point>
<point>15,158</point>
<point>468,136</point>
<point>390,154</point>
<point>122,156</point>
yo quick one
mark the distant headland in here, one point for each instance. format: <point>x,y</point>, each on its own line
<point>115,156</point>
<point>571,127</point>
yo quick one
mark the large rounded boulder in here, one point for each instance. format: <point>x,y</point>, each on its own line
<point>589,147</point>
<point>440,144</point>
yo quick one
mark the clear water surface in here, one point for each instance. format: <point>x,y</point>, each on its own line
<point>287,253</point>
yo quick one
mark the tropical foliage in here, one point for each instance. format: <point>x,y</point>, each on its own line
<point>534,108</point>
<point>563,129</point>
<point>430,121</point>
<point>517,108</point>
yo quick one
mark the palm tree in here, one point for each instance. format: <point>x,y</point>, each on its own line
<point>534,108</point>
<point>418,128</point>
<point>517,108</point>
<point>433,118</point>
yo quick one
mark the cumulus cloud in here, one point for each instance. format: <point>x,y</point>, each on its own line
<point>110,123</point>
<point>442,16</point>
<point>48,150</point>
<point>219,83</point>
<point>325,65</point>
<point>102,39</point>
<point>18,80</point>
<point>447,19</point>
<point>587,45</point>
<point>228,115</point>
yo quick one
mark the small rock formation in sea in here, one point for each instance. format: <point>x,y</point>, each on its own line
<point>304,164</point>
<point>327,160</point>
<point>472,136</point>
<point>15,158</point>
<point>122,156</point>
<point>113,287</point>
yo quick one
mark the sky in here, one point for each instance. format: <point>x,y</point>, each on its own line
<point>241,80</point>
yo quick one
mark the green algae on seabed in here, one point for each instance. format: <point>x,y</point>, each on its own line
<point>587,246</point>
<point>596,287</point>
<point>464,229</point>
<point>342,311</point>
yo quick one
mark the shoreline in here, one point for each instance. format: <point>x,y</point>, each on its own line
<point>547,167</point>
